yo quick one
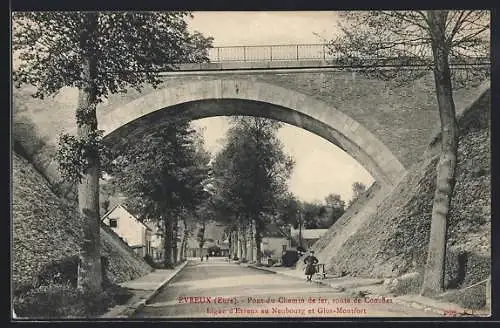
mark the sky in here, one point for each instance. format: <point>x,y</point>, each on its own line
<point>321,168</point>
<point>238,28</point>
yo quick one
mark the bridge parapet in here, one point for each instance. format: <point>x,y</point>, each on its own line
<point>322,51</point>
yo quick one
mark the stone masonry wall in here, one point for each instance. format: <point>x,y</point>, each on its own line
<point>403,118</point>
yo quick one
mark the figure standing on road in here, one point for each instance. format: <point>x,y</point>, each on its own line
<point>310,262</point>
<point>206,256</point>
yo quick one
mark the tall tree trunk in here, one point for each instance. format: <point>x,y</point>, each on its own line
<point>245,243</point>
<point>202,238</point>
<point>258,241</point>
<point>181,249</point>
<point>251,239</point>
<point>235,243</point>
<point>168,256</point>
<point>184,240</point>
<point>89,269</point>
<point>239,245</point>
<point>175,233</point>
<point>445,181</point>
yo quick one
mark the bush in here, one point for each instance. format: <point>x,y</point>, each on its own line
<point>408,284</point>
<point>152,263</point>
<point>63,272</point>
<point>470,298</point>
<point>65,301</point>
<point>290,258</point>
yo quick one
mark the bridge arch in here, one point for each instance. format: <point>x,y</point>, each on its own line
<point>226,97</point>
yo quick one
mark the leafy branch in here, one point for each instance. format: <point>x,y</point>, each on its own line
<point>74,152</point>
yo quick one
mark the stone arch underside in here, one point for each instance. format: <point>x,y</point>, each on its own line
<point>202,99</point>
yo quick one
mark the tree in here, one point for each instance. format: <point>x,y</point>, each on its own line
<point>163,176</point>
<point>336,206</point>
<point>204,214</point>
<point>358,189</point>
<point>289,211</point>
<point>186,234</point>
<point>312,214</point>
<point>100,54</point>
<point>250,173</point>
<point>105,205</point>
<point>432,39</point>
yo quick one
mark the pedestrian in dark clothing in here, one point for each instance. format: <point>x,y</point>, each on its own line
<point>206,256</point>
<point>310,262</point>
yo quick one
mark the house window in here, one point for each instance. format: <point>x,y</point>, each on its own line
<point>113,223</point>
<point>284,247</point>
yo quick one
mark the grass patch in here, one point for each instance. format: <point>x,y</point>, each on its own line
<point>65,301</point>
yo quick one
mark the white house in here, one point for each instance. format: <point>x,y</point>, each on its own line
<point>135,233</point>
<point>274,242</point>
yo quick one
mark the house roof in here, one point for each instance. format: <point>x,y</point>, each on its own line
<point>309,233</point>
<point>272,230</point>
<point>119,205</point>
<point>109,212</point>
<point>153,225</point>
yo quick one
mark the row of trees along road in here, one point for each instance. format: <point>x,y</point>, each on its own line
<point>163,177</point>
<point>249,179</point>
<point>100,53</point>
<point>432,39</point>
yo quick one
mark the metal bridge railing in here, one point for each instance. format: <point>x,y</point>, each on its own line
<point>298,52</point>
<point>292,52</point>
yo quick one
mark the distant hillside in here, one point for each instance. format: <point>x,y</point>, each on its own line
<point>45,230</point>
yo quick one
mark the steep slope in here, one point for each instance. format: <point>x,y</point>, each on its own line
<point>394,239</point>
<point>347,225</point>
<point>45,230</point>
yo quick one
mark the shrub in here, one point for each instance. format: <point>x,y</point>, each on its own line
<point>65,301</point>
<point>290,258</point>
<point>152,263</point>
<point>61,272</point>
<point>65,272</point>
<point>49,301</point>
<point>408,284</point>
<point>470,298</point>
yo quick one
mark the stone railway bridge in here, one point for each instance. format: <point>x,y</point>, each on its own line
<point>385,127</point>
